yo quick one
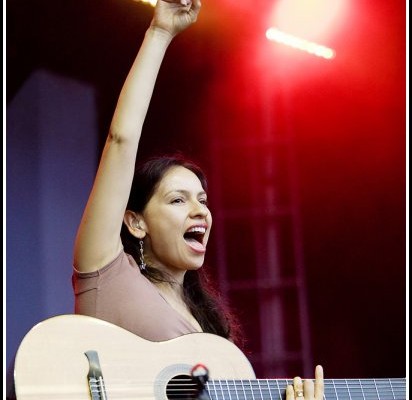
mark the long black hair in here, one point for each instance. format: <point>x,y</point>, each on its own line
<point>200,295</point>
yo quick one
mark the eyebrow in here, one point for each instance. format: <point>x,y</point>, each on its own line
<point>185,192</point>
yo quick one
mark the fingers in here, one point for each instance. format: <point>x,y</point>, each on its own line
<point>191,7</point>
<point>307,389</point>
<point>290,393</point>
<point>319,384</point>
<point>182,2</point>
<point>195,4</point>
<point>298,387</point>
<point>174,16</point>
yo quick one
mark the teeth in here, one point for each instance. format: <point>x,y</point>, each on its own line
<point>197,229</point>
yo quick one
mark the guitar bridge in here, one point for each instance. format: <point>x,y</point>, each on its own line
<point>95,377</point>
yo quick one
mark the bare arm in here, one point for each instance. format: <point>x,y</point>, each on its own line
<point>98,238</point>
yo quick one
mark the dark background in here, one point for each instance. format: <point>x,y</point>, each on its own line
<point>348,120</point>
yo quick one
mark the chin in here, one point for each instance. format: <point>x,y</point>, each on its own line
<point>194,266</point>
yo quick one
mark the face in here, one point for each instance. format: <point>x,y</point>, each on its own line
<point>177,222</point>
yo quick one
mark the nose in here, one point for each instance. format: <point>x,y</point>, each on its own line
<point>199,210</point>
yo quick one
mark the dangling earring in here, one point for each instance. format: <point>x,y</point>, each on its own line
<point>142,264</point>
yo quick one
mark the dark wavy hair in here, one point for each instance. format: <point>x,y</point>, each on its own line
<point>203,300</point>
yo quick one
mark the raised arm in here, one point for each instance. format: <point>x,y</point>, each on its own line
<point>98,237</point>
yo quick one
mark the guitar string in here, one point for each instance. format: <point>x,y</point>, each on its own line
<point>397,393</point>
<point>392,384</point>
<point>388,388</point>
<point>395,384</point>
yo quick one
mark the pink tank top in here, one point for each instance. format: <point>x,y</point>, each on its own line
<point>120,294</point>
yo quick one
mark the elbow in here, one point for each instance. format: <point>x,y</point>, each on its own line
<point>123,135</point>
<point>116,136</point>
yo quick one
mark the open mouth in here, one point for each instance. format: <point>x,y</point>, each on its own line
<point>195,234</point>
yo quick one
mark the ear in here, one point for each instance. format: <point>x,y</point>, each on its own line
<point>135,224</point>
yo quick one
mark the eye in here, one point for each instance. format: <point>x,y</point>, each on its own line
<point>177,200</point>
<point>203,201</point>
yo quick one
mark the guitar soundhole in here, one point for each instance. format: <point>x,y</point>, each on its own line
<point>182,387</point>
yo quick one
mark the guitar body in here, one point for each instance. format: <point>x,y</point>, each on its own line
<point>51,361</point>
<point>78,357</point>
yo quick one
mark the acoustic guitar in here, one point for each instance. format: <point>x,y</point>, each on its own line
<point>79,357</point>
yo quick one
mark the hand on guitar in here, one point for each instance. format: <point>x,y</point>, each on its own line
<point>307,389</point>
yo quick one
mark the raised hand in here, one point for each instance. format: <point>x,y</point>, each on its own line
<point>173,16</point>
